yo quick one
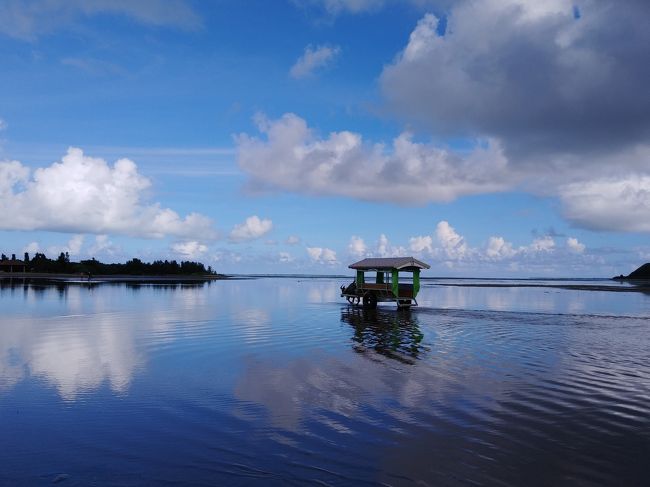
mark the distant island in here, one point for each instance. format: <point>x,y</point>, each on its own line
<point>41,264</point>
<point>642,273</point>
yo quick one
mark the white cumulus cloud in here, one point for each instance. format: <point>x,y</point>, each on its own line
<point>253,227</point>
<point>421,244</point>
<point>621,203</point>
<point>314,59</point>
<point>452,243</point>
<point>385,249</point>
<point>449,248</point>
<point>322,255</point>
<point>190,249</point>
<point>576,126</point>
<point>102,245</point>
<point>575,246</point>
<point>82,194</point>
<point>32,248</point>
<point>498,248</point>
<point>542,244</point>
<point>75,244</point>
<point>357,247</point>
<point>73,247</point>
<point>292,157</point>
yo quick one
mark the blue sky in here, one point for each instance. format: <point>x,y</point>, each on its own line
<point>497,138</point>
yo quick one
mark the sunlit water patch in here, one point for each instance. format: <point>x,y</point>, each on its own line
<point>277,381</point>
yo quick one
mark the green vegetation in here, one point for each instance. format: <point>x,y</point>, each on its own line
<point>63,265</point>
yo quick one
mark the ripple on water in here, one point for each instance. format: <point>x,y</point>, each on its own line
<point>203,385</point>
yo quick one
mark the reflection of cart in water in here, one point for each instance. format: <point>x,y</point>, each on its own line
<point>386,285</point>
<point>394,335</point>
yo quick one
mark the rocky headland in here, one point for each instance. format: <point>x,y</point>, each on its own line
<point>641,274</point>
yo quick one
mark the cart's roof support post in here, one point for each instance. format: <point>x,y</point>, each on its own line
<point>395,283</point>
<point>360,278</point>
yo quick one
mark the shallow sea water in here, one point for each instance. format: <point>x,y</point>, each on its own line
<point>277,381</point>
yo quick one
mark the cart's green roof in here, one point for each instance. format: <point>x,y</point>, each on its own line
<point>389,263</point>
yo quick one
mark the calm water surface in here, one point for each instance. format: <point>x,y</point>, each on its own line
<point>279,382</point>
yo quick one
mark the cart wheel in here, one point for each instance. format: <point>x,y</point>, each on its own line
<point>369,301</point>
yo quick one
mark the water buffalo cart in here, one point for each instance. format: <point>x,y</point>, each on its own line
<point>384,282</point>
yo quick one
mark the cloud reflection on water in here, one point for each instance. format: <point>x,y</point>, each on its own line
<point>87,338</point>
<point>76,357</point>
<point>68,352</point>
<point>395,371</point>
<point>272,375</point>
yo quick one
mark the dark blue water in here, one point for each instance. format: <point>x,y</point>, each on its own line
<point>280,382</point>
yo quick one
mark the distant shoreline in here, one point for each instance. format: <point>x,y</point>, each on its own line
<point>636,285</point>
<point>61,277</point>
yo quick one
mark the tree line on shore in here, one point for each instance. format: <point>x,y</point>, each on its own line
<point>62,264</point>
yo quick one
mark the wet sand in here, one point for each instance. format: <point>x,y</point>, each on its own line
<point>639,286</point>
